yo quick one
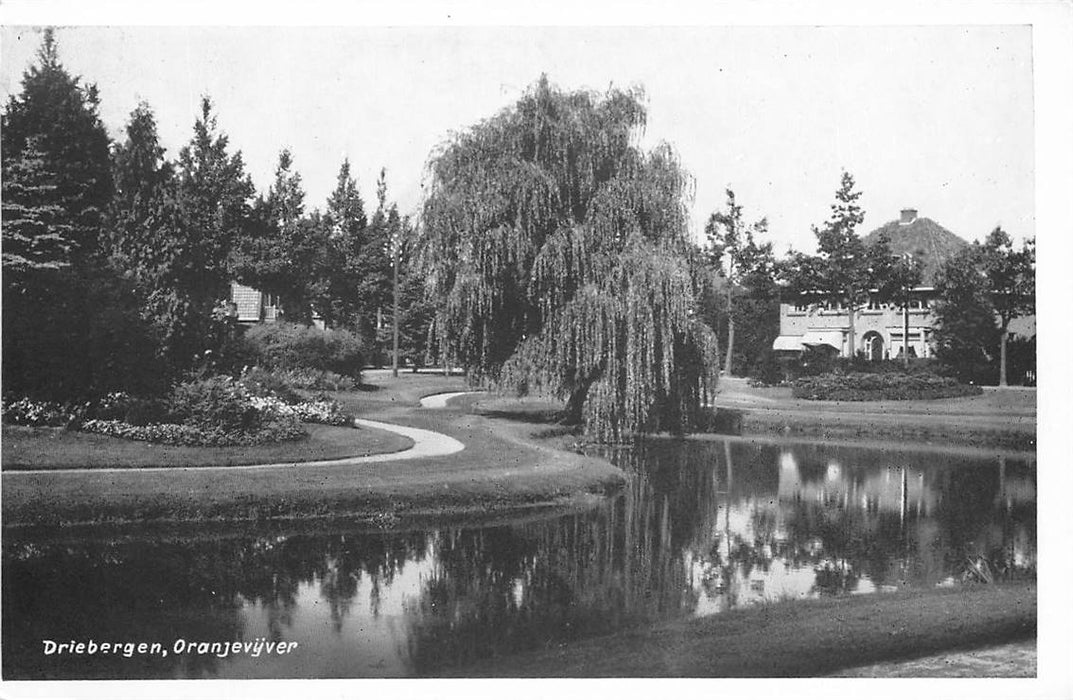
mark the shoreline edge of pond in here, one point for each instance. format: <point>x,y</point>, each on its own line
<point>514,462</point>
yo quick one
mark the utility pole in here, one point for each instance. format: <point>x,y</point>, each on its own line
<point>395,321</point>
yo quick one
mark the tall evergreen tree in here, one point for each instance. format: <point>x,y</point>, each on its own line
<point>374,272</point>
<point>280,254</point>
<point>56,116</point>
<point>57,184</point>
<point>215,195</point>
<point>154,246</point>
<point>559,251</point>
<point>845,271</point>
<point>340,302</point>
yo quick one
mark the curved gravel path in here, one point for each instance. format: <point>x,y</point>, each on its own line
<point>440,400</point>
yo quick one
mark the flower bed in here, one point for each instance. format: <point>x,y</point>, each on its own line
<point>859,386</point>
<point>321,410</point>
<point>193,436</point>
<point>217,411</point>
<point>42,413</point>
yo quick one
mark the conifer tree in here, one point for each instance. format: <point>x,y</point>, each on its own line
<point>215,196</point>
<point>153,245</point>
<point>340,302</point>
<point>57,184</point>
<point>55,116</point>
<point>372,267</point>
<point>845,271</point>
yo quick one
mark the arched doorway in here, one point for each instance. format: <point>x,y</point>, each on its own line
<point>873,343</point>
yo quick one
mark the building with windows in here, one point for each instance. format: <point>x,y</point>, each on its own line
<point>251,306</point>
<point>254,306</point>
<point>880,328</point>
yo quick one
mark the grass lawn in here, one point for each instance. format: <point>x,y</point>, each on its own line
<point>381,391</point>
<point>998,418</point>
<point>57,448</point>
<point>794,639</point>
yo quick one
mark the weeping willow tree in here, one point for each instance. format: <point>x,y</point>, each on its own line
<point>558,253</point>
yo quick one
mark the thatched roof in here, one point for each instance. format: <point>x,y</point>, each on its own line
<point>936,244</point>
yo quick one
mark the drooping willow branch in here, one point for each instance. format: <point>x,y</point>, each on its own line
<point>558,251</point>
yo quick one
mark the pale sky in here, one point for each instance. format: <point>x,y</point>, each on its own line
<point>939,118</point>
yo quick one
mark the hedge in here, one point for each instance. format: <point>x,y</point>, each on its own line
<point>290,346</point>
<point>860,386</point>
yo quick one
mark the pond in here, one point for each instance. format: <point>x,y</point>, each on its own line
<point>702,527</point>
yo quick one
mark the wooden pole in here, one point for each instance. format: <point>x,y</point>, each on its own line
<point>395,320</point>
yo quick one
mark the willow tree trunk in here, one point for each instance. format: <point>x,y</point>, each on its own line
<point>572,413</point>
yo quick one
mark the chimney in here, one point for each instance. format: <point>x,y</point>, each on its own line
<point>908,217</point>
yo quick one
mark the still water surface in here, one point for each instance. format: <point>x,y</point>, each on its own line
<point>702,527</point>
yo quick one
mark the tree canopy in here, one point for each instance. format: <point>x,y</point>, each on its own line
<point>966,334</point>
<point>743,261</point>
<point>845,271</point>
<point>56,186</point>
<point>558,252</point>
<point>1010,278</point>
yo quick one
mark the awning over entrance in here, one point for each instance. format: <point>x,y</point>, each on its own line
<point>787,342</point>
<point>832,338</point>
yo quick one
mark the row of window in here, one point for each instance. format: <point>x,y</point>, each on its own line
<point>873,305</point>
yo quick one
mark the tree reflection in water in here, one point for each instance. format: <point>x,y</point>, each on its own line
<point>701,527</point>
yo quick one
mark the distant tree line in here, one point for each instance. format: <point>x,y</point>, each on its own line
<point>118,261</point>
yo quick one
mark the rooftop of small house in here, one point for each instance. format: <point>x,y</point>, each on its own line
<point>911,234</point>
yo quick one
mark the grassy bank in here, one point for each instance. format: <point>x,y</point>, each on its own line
<point>1002,419</point>
<point>502,469</point>
<point>793,639</point>
<point>928,430</point>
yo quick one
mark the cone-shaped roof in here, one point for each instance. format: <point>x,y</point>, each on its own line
<point>935,243</point>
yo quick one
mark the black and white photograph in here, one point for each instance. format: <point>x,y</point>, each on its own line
<point>456,342</point>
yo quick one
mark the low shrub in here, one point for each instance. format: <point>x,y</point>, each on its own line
<point>290,346</point>
<point>860,386</point>
<point>768,370</point>
<point>215,403</point>
<point>262,382</point>
<point>287,383</point>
